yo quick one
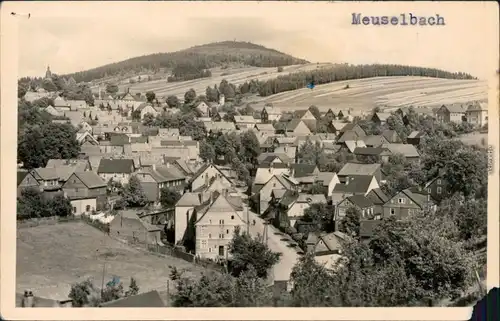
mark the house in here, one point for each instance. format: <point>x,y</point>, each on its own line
<point>77,104</point>
<point>61,105</point>
<point>216,224</point>
<point>26,180</point>
<point>117,169</point>
<point>406,203</point>
<point>367,228</point>
<point>392,136</point>
<point>86,138</point>
<point>304,174</point>
<point>380,118</point>
<point>244,122</point>
<point>409,151</point>
<point>331,148</point>
<point>127,225</point>
<point>299,204</point>
<point>286,146</point>
<point>437,187</point>
<point>219,127</point>
<point>375,140</point>
<point>353,128</point>
<point>304,114</point>
<point>456,113</point>
<point>54,112</point>
<point>415,137</point>
<point>321,243</point>
<point>265,159</point>
<point>206,175</point>
<point>477,114</point>
<point>337,127</point>
<point>146,108</point>
<point>203,108</point>
<point>48,178</point>
<point>154,178</point>
<point>85,127</point>
<point>262,192</point>
<point>86,192</point>
<point>378,153</point>
<point>360,202</point>
<point>270,114</point>
<point>151,299</point>
<point>327,180</point>
<point>378,198</point>
<point>357,169</point>
<point>264,128</point>
<point>354,185</point>
<point>329,115</point>
<point>81,165</point>
<point>297,127</point>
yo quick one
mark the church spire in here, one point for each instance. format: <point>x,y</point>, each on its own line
<point>48,74</point>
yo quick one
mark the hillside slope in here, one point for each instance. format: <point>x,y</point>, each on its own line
<point>202,57</point>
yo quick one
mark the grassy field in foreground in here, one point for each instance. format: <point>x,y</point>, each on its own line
<point>52,257</point>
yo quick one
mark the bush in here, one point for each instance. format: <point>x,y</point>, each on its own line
<point>280,69</point>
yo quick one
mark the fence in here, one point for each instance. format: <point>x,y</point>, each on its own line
<point>175,252</point>
<point>47,221</point>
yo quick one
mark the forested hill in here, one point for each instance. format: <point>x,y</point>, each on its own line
<point>200,57</point>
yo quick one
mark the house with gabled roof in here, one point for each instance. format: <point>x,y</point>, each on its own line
<point>375,140</point>
<point>437,187</point>
<point>54,112</point>
<point>456,113</point>
<point>154,178</point>
<point>26,180</point>
<point>350,127</point>
<point>216,223</point>
<point>129,225</point>
<point>329,115</point>
<point>86,138</point>
<point>147,108</point>
<point>358,169</point>
<point>48,178</point>
<point>270,114</point>
<point>297,205</point>
<point>262,192</point>
<point>203,108</point>
<point>297,127</point>
<point>354,185</point>
<point>244,122</point>
<point>265,128</point>
<point>360,202</point>
<point>117,169</point>
<point>81,165</point>
<point>327,180</point>
<point>205,175</point>
<point>407,203</point>
<point>410,152</point>
<point>415,137</point>
<point>86,192</point>
<point>477,114</point>
<point>377,153</point>
<point>379,198</point>
<point>392,136</point>
<point>380,118</point>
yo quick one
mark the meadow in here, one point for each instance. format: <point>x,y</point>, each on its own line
<point>52,257</point>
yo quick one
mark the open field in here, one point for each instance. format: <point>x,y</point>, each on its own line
<point>386,92</point>
<point>52,257</point>
<point>233,75</point>
<point>479,139</point>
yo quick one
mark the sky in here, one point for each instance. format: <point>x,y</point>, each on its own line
<point>78,36</point>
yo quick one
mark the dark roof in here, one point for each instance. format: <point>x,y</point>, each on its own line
<point>361,201</point>
<point>357,184</point>
<point>111,166</point>
<point>389,134</point>
<point>348,135</point>
<point>301,170</point>
<point>273,165</point>
<point>374,151</point>
<point>377,196</point>
<point>292,124</point>
<point>289,198</point>
<point>150,299</point>
<point>311,124</point>
<point>119,139</point>
<point>90,179</point>
<point>375,140</point>
<point>140,139</point>
<point>299,113</point>
<point>20,176</point>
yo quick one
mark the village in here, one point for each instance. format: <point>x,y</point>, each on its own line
<point>306,172</point>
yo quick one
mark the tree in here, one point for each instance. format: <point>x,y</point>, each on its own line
<point>150,96</point>
<point>315,111</point>
<point>38,144</point>
<point>169,197</point>
<point>149,120</point>
<point>84,294</point>
<point>322,215</point>
<point>112,292</point>
<point>133,288</point>
<point>207,152</point>
<point>189,96</point>
<point>133,194</point>
<point>251,147</point>
<point>31,204</point>
<point>60,206</point>
<point>310,153</point>
<point>251,291</point>
<point>247,252</point>
<point>48,85</point>
<point>173,101</point>
<point>111,89</point>
<point>212,94</point>
<point>351,222</point>
<point>280,69</point>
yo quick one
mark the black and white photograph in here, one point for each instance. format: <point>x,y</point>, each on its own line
<point>250,154</point>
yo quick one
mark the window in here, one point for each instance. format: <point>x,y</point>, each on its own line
<point>232,217</point>
<point>87,208</point>
<point>209,250</point>
<point>227,231</point>
<point>401,200</point>
<point>209,235</point>
<point>393,211</point>
<point>428,190</point>
<point>439,190</point>
<point>274,184</point>
<point>221,222</point>
<point>439,182</point>
<point>221,236</point>
<point>203,244</point>
<point>74,209</point>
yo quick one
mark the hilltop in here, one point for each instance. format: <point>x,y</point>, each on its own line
<point>193,61</point>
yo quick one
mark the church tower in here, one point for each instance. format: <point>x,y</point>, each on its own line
<point>48,74</point>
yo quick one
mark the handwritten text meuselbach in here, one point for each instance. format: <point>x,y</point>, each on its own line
<point>404,19</point>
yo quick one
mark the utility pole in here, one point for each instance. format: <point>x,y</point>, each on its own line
<point>248,222</point>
